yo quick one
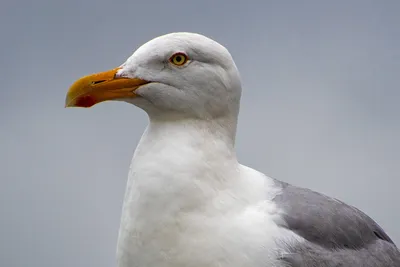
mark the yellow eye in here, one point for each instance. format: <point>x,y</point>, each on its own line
<point>178,59</point>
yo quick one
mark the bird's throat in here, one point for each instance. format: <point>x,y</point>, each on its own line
<point>179,166</point>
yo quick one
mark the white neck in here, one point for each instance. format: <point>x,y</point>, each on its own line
<point>184,159</point>
<point>179,167</point>
<point>184,180</point>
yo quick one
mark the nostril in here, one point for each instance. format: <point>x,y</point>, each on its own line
<point>97,82</point>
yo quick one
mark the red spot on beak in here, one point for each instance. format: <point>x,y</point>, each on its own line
<point>85,101</point>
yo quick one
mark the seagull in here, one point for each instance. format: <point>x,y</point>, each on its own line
<point>188,201</point>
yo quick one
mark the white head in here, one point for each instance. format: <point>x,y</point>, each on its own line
<point>178,74</point>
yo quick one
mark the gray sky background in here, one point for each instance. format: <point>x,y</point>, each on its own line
<point>320,109</point>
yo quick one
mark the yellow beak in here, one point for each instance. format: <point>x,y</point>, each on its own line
<point>99,87</point>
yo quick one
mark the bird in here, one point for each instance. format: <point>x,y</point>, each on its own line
<point>188,201</point>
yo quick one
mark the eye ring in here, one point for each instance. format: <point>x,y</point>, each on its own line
<point>179,59</point>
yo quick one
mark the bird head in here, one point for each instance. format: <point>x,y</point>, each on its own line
<point>182,74</point>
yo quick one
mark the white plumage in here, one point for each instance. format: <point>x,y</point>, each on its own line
<point>188,201</point>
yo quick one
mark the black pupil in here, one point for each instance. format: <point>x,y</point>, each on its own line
<point>178,58</point>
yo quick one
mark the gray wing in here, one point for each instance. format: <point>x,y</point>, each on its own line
<point>337,234</point>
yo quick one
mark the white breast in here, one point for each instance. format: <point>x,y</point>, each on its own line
<point>186,207</point>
